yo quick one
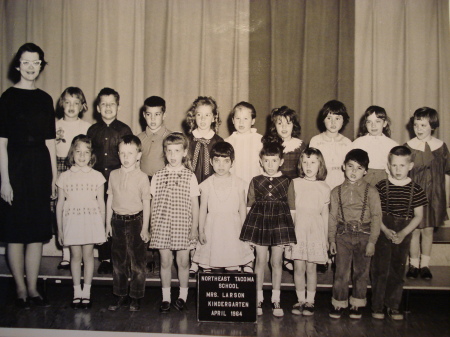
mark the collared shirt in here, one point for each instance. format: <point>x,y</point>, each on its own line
<point>152,159</point>
<point>352,197</point>
<point>105,141</point>
<point>128,190</point>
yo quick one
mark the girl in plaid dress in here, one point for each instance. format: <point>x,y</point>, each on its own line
<point>269,221</point>
<point>70,108</point>
<point>174,216</point>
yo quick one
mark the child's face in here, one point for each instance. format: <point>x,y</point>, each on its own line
<point>399,166</point>
<point>221,165</point>
<point>243,120</point>
<point>204,117</point>
<point>175,154</point>
<point>422,128</point>
<point>29,72</point>
<point>333,123</point>
<point>375,125</point>
<point>72,107</point>
<point>354,171</point>
<point>82,155</point>
<point>310,166</point>
<point>129,155</point>
<point>154,116</point>
<point>284,128</point>
<point>108,108</point>
<point>271,164</point>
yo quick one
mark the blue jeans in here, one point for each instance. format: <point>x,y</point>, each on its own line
<point>388,266</point>
<point>129,257</point>
<point>351,247</point>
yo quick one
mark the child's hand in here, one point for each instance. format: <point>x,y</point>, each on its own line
<point>390,234</point>
<point>145,236</point>
<point>333,248</point>
<point>194,234</point>
<point>60,240</point>
<point>398,238</point>
<point>7,193</point>
<point>370,249</point>
<point>108,231</point>
<point>202,238</point>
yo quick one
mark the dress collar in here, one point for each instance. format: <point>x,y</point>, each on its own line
<point>292,144</point>
<point>418,144</point>
<point>209,135</point>
<point>84,169</point>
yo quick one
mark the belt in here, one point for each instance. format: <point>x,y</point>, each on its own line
<point>127,216</point>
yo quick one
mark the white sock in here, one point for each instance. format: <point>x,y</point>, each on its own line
<point>183,293</point>
<point>77,292</point>
<point>166,294</point>
<point>86,291</point>
<point>275,296</point>
<point>414,262</point>
<point>310,296</point>
<point>301,296</point>
<point>424,261</point>
<point>260,296</point>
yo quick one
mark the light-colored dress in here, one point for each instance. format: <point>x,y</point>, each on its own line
<point>223,226</point>
<point>333,151</point>
<point>310,199</point>
<point>82,220</point>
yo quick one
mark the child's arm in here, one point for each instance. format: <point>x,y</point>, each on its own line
<point>418,215</point>
<point>325,215</point>
<point>109,212</point>
<point>389,233</point>
<point>195,213</point>
<point>51,146</point>
<point>242,207</point>
<point>6,189</point>
<point>101,201</point>
<point>332,222</point>
<point>202,217</point>
<point>374,204</point>
<point>145,235</point>
<point>59,214</point>
<point>291,200</point>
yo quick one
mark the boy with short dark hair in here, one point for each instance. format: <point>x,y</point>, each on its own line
<point>353,229</point>
<point>402,202</point>
<point>106,135</point>
<point>127,220</point>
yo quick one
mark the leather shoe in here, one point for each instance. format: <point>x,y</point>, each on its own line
<point>165,307</point>
<point>122,301</point>
<point>413,272</point>
<point>179,304</point>
<point>86,303</point>
<point>22,303</point>
<point>38,301</point>
<point>135,304</point>
<point>425,273</point>
<point>105,268</point>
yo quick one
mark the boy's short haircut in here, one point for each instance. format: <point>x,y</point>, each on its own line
<point>107,92</point>
<point>222,149</point>
<point>359,156</point>
<point>428,113</point>
<point>244,104</point>
<point>272,149</point>
<point>155,101</point>
<point>401,151</point>
<point>131,139</point>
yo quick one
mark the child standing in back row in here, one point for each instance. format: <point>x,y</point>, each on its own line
<point>174,216</point>
<point>269,221</point>
<point>402,202</point>
<point>353,229</point>
<point>374,139</point>
<point>71,106</point>
<point>431,163</point>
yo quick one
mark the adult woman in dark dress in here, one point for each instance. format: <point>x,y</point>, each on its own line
<point>28,172</point>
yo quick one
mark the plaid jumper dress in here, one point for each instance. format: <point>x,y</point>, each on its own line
<point>171,218</point>
<point>269,221</point>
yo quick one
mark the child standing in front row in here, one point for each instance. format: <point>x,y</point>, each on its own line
<point>431,162</point>
<point>174,216</point>
<point>402,202</point>
<point>333,117</point>
<point>246,142</point>
<point>80,214</point>
<point>269,221</point>
<point>70,107</point>
<point>222,213</point>
<point>374,139</point>
<point>353,229</point>
<point>312,198</point>
<point>128,214</point>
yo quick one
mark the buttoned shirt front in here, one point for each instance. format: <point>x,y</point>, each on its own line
<point>152,159</point>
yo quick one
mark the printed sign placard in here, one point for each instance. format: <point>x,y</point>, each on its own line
<point>224,297</point>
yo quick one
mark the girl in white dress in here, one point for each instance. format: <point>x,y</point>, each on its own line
<point>80,214</point>
<point>222,213</point>
<point>312,197</point>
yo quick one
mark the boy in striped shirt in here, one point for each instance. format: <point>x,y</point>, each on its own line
<point>402,203</point>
